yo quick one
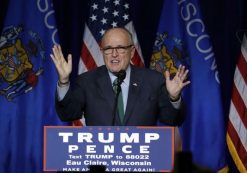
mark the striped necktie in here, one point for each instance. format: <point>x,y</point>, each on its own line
<point>120,105</point>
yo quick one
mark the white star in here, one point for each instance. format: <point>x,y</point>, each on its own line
<point>116,2</point>
<point>126,17</point>
<point>95,6</point>
<point>114,24</point>
<point>102,31</point>
<point>107,0</point>
<point>115,13</point>
<point>93,17</point>
<point>105,10</point>
<point>104,21</point>
<point>126,6</point>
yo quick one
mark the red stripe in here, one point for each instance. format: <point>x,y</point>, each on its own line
<point>242,64</point>
<point>77,123</point>
<point>136,60</point>
<point>87,58</point>
<point>237,143</point>
<point>239,105</point>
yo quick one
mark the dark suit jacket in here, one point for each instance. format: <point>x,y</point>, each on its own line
<point>93,94</point>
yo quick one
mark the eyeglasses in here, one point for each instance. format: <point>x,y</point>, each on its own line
<point>119,49</point>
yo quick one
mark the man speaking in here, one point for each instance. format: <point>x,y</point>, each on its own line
<point>119,93</point>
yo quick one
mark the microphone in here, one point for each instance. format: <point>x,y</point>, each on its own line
<point>120,78</point>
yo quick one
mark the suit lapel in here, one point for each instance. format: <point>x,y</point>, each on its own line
<point>133,95</point>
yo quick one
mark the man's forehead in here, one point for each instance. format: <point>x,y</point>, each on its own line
<point>116,35</point>
<point>116,38</point>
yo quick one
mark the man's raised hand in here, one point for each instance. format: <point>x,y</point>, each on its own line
<point>63,67</point>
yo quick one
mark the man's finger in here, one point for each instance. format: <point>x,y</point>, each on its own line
<point>186,83</point>
<point>55,52</point>
<point>60,52</point>
<point>167,75</point>
<point>184,75</point>
<point>55,62</point>
<point>178,71</point>
<point>70,60</point>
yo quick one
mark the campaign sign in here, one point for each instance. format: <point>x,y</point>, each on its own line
<point>129,149</point>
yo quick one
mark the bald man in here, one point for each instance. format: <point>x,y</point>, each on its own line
<point>147,96</point>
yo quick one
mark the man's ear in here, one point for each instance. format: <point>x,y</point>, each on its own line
<point>133,49</point>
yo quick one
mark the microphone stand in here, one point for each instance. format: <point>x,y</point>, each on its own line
<point>120,77</point>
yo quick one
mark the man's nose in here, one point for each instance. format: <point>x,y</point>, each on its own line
<point>114,52</point>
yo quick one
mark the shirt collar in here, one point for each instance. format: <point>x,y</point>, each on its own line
<point>126,81</point>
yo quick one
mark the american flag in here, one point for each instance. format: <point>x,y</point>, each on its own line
<point>237,125</point>
<point>103,15</point>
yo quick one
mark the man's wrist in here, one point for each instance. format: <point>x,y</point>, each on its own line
<point>62,84</point>
<point>175,99</point>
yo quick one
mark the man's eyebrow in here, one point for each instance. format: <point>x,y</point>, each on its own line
<point>114,46</point>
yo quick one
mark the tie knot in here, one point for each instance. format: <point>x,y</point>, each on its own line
<point>115,82</point>
<point>116,86</point>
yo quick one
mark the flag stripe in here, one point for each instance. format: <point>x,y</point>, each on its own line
<point>239,106</point>
<point>234,154</point>
<point>130,27</point>
<point>238,126</point>
<point>81,67</point>
<point>240,86</point>
<point>92,46</point>
<point>242,64</point>
<point>136,60</point>
<point>238,146</point>
<point>87,59</point>
<point>237,131</point>
<point>244,48</point>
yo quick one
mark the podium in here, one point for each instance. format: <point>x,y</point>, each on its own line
<point>118,149</point>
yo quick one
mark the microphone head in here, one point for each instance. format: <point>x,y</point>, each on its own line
<point>120,76</point>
